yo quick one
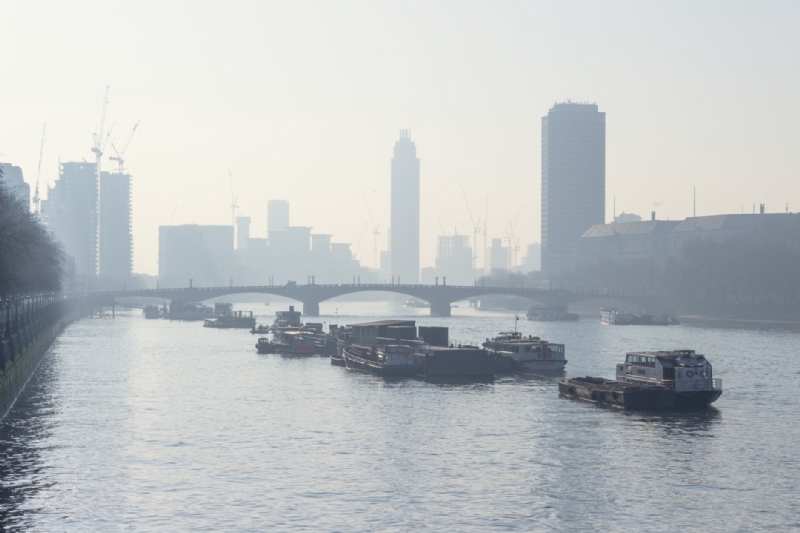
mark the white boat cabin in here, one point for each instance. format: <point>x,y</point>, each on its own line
<point>681,370</point>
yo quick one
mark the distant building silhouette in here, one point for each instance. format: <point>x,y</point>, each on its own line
<point>453,261</point>
<point>573,181</point>
<point>624,243</point>
<point>242,232</point>
<point>533,257</point>
<point>71,213</point>
<point>277,215</point>
<point>115,236</point>
<point>190,251</point>
<point>12,177</point>
<point>499,257</point>
<point>404,245</point>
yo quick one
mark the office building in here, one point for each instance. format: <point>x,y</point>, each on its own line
<point>404,246</point>
<point>242,232</point>
<point>573,181</point>
<point>623,243</point>
<point>454,260</point>
<point>277,215</point>
<point>499,256</point>
<point>533,257</point>
<point>203,254</point>
<point>115,236</point>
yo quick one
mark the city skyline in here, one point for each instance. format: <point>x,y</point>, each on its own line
<point>714,109</point>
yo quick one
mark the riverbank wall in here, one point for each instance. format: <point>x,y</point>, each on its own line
<point>31,326</point>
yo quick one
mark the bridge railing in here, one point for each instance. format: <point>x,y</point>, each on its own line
<point>374,286</point>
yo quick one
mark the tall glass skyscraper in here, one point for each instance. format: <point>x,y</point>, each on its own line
<point>573,181</point>
<point>404,244</point>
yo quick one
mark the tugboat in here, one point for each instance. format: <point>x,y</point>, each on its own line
<point>677,379</point>
<point>514,352</point>
<point>392,361</point>
<point>151,311</point>
<point>263,346</point>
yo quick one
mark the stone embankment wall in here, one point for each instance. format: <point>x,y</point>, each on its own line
<point>31,326</point>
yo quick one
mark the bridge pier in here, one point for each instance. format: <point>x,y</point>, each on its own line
<point>311,308</point>
<point>440,308</point>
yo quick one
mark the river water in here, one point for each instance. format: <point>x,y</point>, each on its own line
<point>151,425</point>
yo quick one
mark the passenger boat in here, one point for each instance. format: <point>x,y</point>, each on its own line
<point>621,317</point>
<point>238,320</point>
<point>677,379</point>
<point>550,314</point>
<point>392,361</point>
<point>151,311</point>
<point>526,353</point>
<point>292,342</point>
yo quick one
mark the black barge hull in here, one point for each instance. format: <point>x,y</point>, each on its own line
<point>634,397</point>
<point>357,359</point>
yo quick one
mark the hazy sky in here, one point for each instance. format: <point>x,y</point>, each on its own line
<point>304,100</point>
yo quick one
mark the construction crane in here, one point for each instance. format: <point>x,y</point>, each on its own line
<point>36,200</point>
<point>358,247</point>
<point>120,157</point>
<point>234,205</point>
<point>513,239</point>
<point>173,215</point>
<point>99,146</point>
<point>375,232</point>
<point>476,228</point>
<point>99,141</point>
<point>485,242</point>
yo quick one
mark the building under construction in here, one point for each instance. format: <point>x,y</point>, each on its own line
<point>99,244</point>
<point>70,211</point>
<point>116,239</point>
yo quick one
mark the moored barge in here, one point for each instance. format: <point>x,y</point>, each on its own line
<point>512,351</point>
<point>392,361</point>
<point>666,380</point>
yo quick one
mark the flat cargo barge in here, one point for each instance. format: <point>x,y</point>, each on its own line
<point>651,381</point>
<point>635,397</point>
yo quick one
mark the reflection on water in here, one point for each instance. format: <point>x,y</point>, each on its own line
<point>22,433</point>
<point>168,426</point>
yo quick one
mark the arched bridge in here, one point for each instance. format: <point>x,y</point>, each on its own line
<point>439,296</point>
